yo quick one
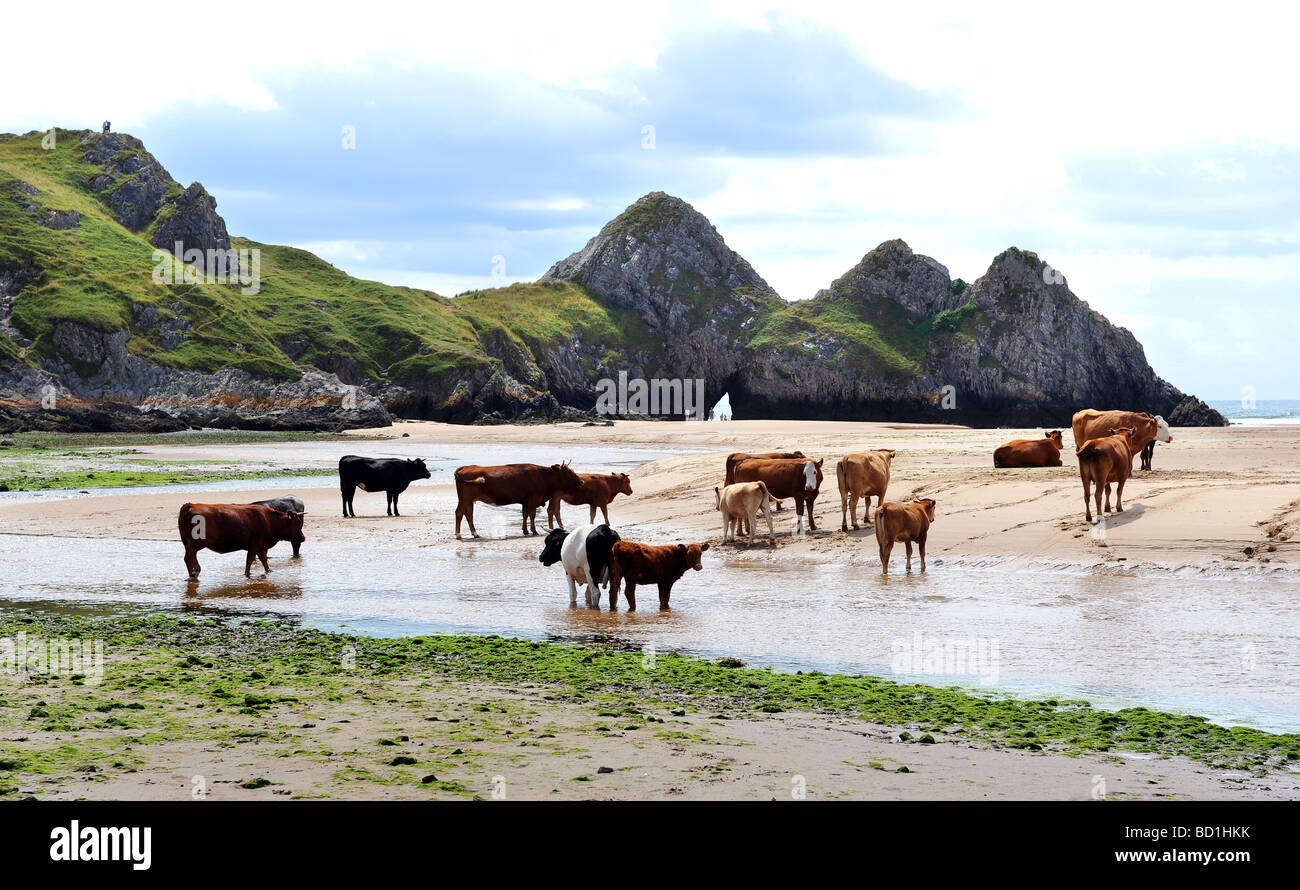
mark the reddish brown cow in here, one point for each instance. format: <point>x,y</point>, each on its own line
<point>799,478</point>
<point>1044,452</point>
<point>737,457</point>
<point>597,490</point>
<point>225,528</point>
<point>903,522</point>
<point>1103,461</point>
<point>644,564</point>
<point>529,485</point>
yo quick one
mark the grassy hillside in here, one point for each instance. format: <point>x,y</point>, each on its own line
<point>306,313</point>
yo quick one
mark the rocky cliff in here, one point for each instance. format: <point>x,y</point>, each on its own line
<point>91,338</point>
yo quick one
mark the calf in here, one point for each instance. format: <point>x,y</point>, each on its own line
<point>1044,452</point>
<point>225,528</point>
<point>391,475</point>
<point>528,485</point>
<point>644,564</point>
<point>798,478</point>
<point>740,504</point>
<point>597,490</point>
<point>287,504</point>
<point>862,475</point>
<point>903,522</point>
<point>585,552</point>
<point>1103,461</point>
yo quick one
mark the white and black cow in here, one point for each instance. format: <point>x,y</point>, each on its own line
<point>390,475</point>
<point>1163,435</point>
<point>287,504</point>
<point>585,553</point>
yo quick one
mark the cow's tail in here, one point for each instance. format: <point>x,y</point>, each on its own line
<point>183,519</point>
<point>762,486</point>
<point>881,521</point>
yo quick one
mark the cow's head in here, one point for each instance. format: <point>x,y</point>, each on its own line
<point>415,469</point>
<point>717,498</point>
<point>927,504</point>
<point>812,475</point>
<point>551,547</point>
<point>624,484</point>
<point>887,454</point>
<point>1055,438</point>
<point>565,478</point>
<point>289,526</point>
<point>1162,430</point>
<point>690,554</point>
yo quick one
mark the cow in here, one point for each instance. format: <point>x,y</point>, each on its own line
<point>1149,451</point>
<point>1044,452</point>
<point>528,485</point>
<point>391,475</point>
<point>798,478</point>
<point>903,522</point>
<point>597,490</point>
<point>737,457</point>
<point>585,554</point>
<point>1093,424</point>
<point>862,475</point>
<point>287,504</point>
<point>740,504</point>
<point>1103,461</point>
<point>645,564</point>
<point>225,528</point>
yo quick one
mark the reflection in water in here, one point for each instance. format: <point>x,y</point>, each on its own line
<point>1229,649</point>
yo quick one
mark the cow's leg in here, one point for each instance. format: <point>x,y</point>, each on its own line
<point>1107,497</point>
<point>192,561</point>
<point>348,492</point>
<point>248,563</point>
<point>1096,491</point>
<point>908,545</point>
<point>845,503</point>
<point>767,514</point>
<point>604,511</point>
<point>296,545</point>
<point>262,556</point>
<point>629,591</point>
<point>523,511</point>
<point>468,512</point>
<point>920,545</point>
<point>1087,501</point>
<point>593,589</point>
<point>665,591</point>
<point>396,495</point>
<point>591,520</point>
<point>885,549</point>
<point>573,589</point>
<point>812,520</point>
<point>798,508</point>
<point>1119,495</point>
<point>614,579</point>
<point>726,526</point>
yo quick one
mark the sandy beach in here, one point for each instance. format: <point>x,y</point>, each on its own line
<point>1219,502</point>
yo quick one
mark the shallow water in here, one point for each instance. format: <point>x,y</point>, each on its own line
<point>1225,648</point>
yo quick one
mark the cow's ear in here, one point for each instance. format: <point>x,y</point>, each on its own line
<point>681,548</point>
<point>704,546</point>
<point>820,461</point>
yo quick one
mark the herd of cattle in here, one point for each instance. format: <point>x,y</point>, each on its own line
<point>1106,443</point>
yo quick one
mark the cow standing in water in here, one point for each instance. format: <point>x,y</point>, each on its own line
<point>287,504</point>
<point>529,485</point>
<point>225,528</point>
<point>903,522</point>
<point>391,475</point>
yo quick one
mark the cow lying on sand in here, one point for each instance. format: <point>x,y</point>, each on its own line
<point>225,528</point>
<point>529,485</point>
<point>391,475</point>
<point>287,504</point>
<point>903,522</point>
<point>1102,462</point>
<point>597,490</point>
<point>862,475</point>
<point>1044,452</point>
<point>798,478</point>
<point>585,553</point>
<point>643,564</point>
<point>1093,424</point>
<point>740,504</point>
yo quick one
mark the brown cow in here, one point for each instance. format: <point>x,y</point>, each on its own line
<point>1044,452</point>
<point>597,490</point>
<point>1093,424</point>
<point>527,484</point>
<point>1103,461</point>
<point>225,528</point>
<point>903,522</point>
<point>738,456</point>
<point>861,475</point>
<point>644,564</point>
<point>799,478</point>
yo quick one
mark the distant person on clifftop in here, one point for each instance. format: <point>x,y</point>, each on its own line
<point>107,126</point>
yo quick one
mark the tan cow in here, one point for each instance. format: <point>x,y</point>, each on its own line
<point>1103,461</point>
<point>903,522</point>
<point>862,475</point>
<point>740,504</point>
<point>1093,424</point>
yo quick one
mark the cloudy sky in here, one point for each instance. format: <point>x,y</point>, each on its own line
<point>1153,158</point>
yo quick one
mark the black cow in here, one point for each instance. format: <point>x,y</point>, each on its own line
<point>1147,453</point>
<point>287,504</point>
<point>390,475</point>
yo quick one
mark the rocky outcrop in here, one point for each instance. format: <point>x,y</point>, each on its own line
<point>192,222</point>
<point>132,182</point>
